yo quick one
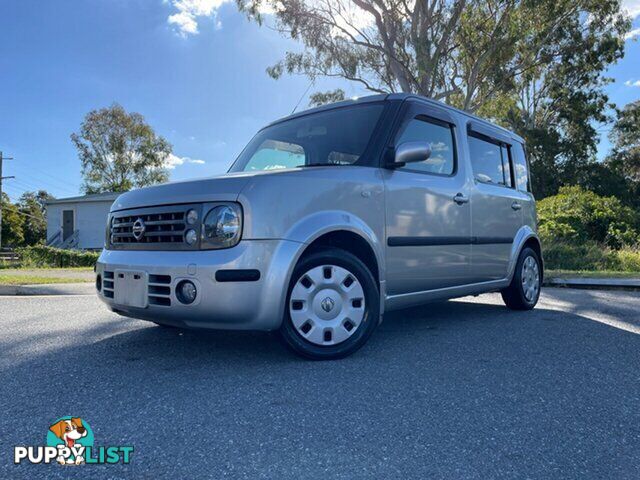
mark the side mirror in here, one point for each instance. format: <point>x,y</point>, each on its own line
<point>410,152</point>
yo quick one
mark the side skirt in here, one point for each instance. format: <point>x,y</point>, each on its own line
<point>404,300</point>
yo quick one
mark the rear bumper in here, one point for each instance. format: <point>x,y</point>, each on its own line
<point>236,298</point>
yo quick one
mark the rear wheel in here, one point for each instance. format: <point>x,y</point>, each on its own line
<point>524,290</point>
<point>332,305</point>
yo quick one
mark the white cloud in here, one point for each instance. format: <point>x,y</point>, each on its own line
<point>185,20</point>
<point>190,12</point>
<point>174,161</point>
<point>632,7</point>
<point>348,16</point>
<point>631,83</point>
<point>632,34</point>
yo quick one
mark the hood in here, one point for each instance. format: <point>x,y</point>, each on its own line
<point>223,188</point>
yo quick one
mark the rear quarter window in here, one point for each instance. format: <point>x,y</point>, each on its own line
<point>521,168</point>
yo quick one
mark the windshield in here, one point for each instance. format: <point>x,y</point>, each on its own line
<point>334,137</point>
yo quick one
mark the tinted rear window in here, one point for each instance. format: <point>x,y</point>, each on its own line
<point>486,160</point>
<point>521,168</point>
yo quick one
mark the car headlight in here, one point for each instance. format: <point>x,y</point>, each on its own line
<point>222,226</point>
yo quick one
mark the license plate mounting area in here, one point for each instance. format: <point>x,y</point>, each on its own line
<point>130,288</point>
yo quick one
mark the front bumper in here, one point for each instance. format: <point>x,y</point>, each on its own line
<point>222,302</point>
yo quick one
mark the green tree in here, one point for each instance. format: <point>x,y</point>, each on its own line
<point>607,180</point>
<point>120,151</point>
<point>625,136</point>
<point>12,223</point>
<point>560,101</point>
<point>32,205</point>
<point>535,66</point>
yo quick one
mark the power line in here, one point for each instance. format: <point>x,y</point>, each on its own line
<point>15,209</point>
<point>12,189</point>
<point>60,185</point>
<point>19,189</point>
<point>16,191</point>
<point>31,186</point>
<point>303,95</point>
<point>59,180</point>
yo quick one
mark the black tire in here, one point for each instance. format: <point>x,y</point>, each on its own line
<point>514,295</point>
<point>333,256</point>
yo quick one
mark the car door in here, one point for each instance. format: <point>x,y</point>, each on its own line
<point>428,219</point>
<point>496,205</point>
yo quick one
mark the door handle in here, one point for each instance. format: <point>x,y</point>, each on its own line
<point>460,199</point>
<point>516,206</point>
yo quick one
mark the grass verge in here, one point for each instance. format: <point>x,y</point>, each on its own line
<point>36,276</point>
<point>589,274</point>
<point>6,279</point>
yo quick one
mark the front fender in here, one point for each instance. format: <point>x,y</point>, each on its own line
<point>310,228</point>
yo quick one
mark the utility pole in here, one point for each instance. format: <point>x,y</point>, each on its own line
<point>1,179</point>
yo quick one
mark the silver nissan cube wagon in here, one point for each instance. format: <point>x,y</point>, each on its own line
<point>327,219</point>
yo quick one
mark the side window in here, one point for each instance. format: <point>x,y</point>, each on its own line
<point>273,155</point>
<point>521,168</point>
<point>440,137</point>
<point>490,161</point>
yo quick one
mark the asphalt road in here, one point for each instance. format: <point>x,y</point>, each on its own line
<point>463,389</point>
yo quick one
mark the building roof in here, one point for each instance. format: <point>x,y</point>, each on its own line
<point>98,197</point>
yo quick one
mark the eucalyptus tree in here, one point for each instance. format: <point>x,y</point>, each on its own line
<point>536,66</point>
<point>120,151</point>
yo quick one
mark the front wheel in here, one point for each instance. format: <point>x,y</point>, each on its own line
<point>333,305</point>
<point>524,290</point>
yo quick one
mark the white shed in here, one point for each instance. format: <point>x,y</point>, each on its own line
<point>78,222</point>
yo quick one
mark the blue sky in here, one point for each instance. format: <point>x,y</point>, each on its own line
<point>194,68</point>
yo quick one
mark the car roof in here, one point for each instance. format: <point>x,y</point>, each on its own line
<point>401,97</point>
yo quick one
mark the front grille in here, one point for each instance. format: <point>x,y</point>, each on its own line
<point>160,290</point>
<point>160,228</point>
<point>156,227</point>
<point>107,284</point>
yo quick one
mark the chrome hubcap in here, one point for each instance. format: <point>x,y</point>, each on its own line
<point>327,305</point>
<point>530,278</point>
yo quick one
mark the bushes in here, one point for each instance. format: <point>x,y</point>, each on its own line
<point>627,260</point>
<point>41,256</point>
<point>577,215</point>
<point>560,255</point>
<point>589,256</point>
<point>584,231</point>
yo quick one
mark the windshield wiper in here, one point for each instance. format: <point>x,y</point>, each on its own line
<point>321,165</point>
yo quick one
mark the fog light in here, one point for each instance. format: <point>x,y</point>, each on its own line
<point>190,237</point>
<point>98,283</point>
<point>192,217</point>
<point>186,292</point>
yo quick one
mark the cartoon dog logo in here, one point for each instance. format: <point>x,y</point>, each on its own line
<point>69,431</point>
